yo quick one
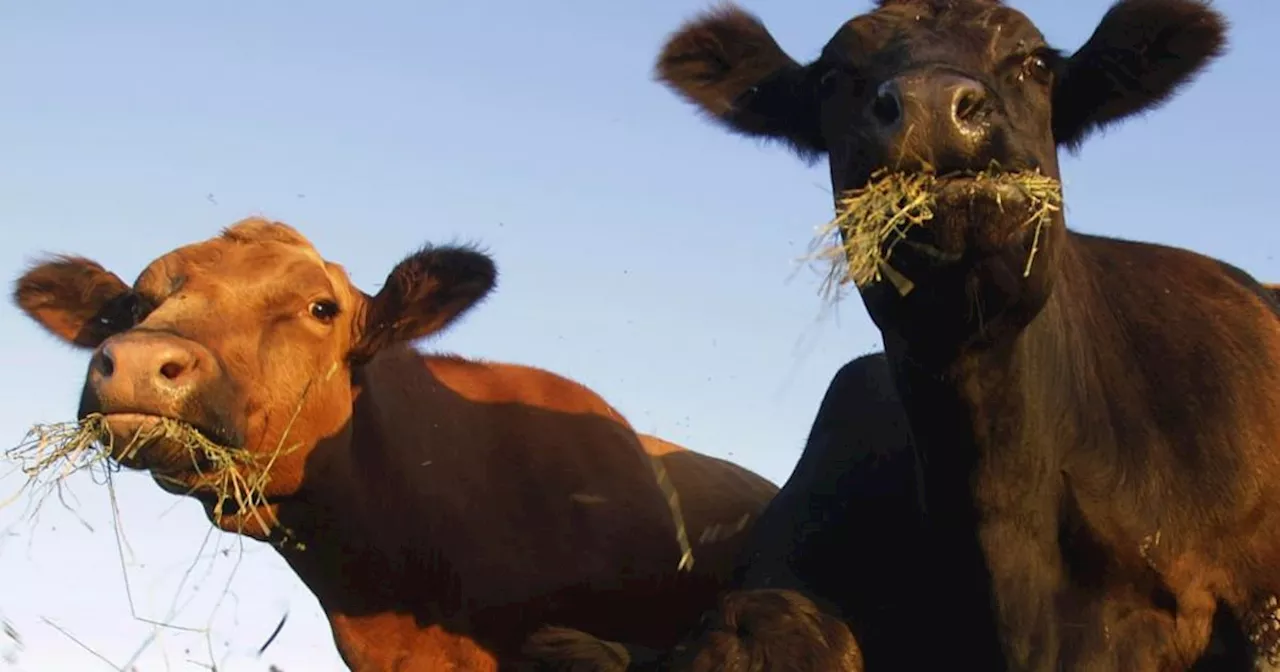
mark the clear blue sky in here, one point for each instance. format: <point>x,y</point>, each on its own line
<point>642,251</point>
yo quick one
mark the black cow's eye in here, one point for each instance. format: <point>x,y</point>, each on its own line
<point>1036,67</point>
<point>827,80</point>
<point>323,310</point>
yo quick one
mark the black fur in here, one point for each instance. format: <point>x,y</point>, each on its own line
<point>423,295</point>
<point>763,630</point>
<point>1091,426</point>
<point>1142,53</point>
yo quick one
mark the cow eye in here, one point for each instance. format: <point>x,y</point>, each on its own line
<point>124,313</point>
<point>1036,67</point>
<point>827,81</point>
<point>323,310</point>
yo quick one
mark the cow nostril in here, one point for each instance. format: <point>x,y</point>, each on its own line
<point>966,103</point>
<point>886,108</point>
<point>172,370</point>
<point>103,364</point>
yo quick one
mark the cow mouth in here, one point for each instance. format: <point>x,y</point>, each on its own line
<point>935,216</point>
<point>958,186</point>
<point>163,445</point>
<point>1004,186</point>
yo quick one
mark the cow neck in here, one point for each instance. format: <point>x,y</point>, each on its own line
<point>360,533</point>
<point>1002,397</point>
<point>988,413</point>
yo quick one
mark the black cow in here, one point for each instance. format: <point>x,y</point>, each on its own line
<point>847,530</point>
<point>1095,427</point>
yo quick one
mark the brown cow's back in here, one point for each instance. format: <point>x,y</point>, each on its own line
<point>719,501</point>
<point>492,499</point>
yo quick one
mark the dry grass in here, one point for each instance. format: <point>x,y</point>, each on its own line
<point>673,503</point>
<point>55,451</point>
<point>870,221</point>
<point>51,452</point>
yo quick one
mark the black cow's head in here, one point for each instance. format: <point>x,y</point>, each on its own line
<point>942,87</point>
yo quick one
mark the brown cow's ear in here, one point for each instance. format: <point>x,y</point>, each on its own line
<point>726,62</point>
<point>423,295</point>
<point>75,299</point>
<point>1139,56</point>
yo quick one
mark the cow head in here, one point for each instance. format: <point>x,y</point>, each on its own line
<point>768,629</point>
<point>764,629</point>
<point>945,87</point>
<point>250,338</point>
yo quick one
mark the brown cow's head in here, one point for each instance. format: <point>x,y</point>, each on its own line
<point>944,86</point>
<point>249,337</point>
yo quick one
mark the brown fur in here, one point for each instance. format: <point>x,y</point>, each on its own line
<point>439,508</point>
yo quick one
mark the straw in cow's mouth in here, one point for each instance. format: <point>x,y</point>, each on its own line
<point>234,479</point>
<point>871,220</point>
<point>232,475</point>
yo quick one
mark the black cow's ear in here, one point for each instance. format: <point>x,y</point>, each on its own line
<point>725,62</point>
<point>1139,56</point>
<point>425,293</point>
<point>75,299</point>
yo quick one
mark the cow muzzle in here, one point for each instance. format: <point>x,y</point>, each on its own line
<point>920,114</point>
<point>140,378</point>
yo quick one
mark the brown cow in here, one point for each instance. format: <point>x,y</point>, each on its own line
<point>719,501</point>
<point>1274,289</point>
<point>1097,417</point>
<point>752,631</point>
<point>439,508</point>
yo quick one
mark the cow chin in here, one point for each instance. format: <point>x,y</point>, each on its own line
<point>259,521</point>
<point>982,254</point>
<point>984,219</point>
<point>181,468</point>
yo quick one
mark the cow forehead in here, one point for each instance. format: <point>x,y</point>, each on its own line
<point>972,31</point>
<point>236,263</point>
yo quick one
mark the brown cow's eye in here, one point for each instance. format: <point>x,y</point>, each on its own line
<point>124,312</point>
<point>323,310</point>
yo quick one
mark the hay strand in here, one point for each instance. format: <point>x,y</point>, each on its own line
<point>232,474</point>
<point>870,221</point>
<point>673,503</point>
<point>61,449</point>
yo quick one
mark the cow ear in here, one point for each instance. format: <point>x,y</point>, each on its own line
<point>423,294</point>
<point>556,648</point>
<point>1139,56</point>
<point>726,62</point>
<point>75,299</point>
